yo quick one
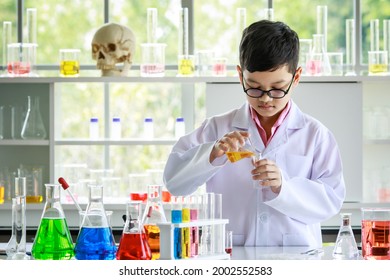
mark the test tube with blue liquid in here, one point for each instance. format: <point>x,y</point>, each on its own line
<point>176,218</point>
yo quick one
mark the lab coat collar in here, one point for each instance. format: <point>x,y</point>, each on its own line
<point>243,121</point>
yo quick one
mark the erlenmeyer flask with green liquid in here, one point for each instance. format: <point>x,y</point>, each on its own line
<point>53,240</point>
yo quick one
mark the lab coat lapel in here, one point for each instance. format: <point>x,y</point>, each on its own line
<point>243,121</point>
<point>293,121</point>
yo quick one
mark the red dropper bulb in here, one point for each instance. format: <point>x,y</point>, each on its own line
<point>63,183</point>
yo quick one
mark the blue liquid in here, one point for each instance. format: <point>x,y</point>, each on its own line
<point>177,243</point>
<point>95,244</point>
<point>176,216</point>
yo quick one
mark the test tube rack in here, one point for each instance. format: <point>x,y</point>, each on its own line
<point>167,239</point>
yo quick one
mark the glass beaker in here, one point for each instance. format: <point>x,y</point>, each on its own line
<point>133,244</point>
<point>33,127</point>
<point>95,240</point>
<point>153,60</point>
<point>376,233</point>
<point>53,240</point>
<point>345,247</point>
<point>21,59</point>
<point>153,214</point>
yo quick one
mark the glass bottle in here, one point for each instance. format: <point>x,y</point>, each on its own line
<point>95,240</point>
<point>154,214</point>
<point>33,127</point>
<point>53,240</point>
<point>133,244</point>
<point>16,247</point>
<point>345,247</point>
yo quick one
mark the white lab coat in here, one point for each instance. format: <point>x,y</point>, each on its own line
<point>307,154</point>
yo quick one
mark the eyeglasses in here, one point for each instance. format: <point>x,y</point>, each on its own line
<point>273,92</point>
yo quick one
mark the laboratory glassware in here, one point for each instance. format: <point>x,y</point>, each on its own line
<point>151,25</point>
<point>133,244</point>
<point>345,247</point>
<point>18,223</point>
<point>350,47</point>
<point>186,231</point>
<point>53,240</point>
<point>153,214</point>
<point>33,127</point>
<point>7,37</point>
<point>376,233</point>
<point>176,218</point>
<point>95,240</point>
<point>243,151</point>
<point>194,213</point>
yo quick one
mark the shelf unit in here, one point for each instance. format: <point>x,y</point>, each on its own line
<point>366,153</point>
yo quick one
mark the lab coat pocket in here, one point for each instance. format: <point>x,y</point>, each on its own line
<point>298,165</point>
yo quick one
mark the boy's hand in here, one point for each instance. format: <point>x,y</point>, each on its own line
<point>230,141</point>
<point>268,174</point>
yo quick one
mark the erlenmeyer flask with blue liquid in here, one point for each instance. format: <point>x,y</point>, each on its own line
<point>95,240</point>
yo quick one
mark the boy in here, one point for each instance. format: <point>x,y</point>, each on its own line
<point>281,199</point>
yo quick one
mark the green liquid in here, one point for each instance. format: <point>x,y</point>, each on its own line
<point>53,240</point>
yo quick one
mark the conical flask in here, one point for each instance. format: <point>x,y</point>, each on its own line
<point>53,240</point>
<point>133,244</point>
<point>95,240</point>
<point>154,214</point>
<point>345,247</point>
<point>33,127</point>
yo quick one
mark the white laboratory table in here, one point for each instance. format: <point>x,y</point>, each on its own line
<point>256,253</point>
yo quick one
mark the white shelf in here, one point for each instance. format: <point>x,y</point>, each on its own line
<point>17,142</point>
<point>130,141</point>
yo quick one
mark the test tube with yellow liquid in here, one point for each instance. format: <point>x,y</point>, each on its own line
<point>69,62</point>
<point>186,231</point>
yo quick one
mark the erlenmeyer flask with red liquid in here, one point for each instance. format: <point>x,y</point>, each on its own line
<point>133,244</point>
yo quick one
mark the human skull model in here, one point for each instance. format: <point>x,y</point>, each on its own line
<point>113,44</point>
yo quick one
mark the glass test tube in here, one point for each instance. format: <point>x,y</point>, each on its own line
<point>240,26</point>
<point>194,212</point>
<point>176,217</point>
<point>32,25</point>
<point>268,14</point>
<point>350,33</point>
<point>386,38</point>
<point>374,35</point>
<point>322,24</point>
<point>7,38</point>
<point>207,245</point>
<point>186,231</point>
<point>218,238</point>
<point>151,25</point>
<point>20,219</point>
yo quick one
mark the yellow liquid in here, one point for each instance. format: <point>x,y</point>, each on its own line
<point>238,155</point>
<point>153,238</point>
<point>1,194</point>
<point>34,198</point>
<point>186,67</point>
<point>377,68</point>
<point>69,68</point>
<point>185,243</point>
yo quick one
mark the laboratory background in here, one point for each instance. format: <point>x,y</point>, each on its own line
<point>72,119</point>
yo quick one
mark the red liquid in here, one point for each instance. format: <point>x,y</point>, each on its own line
<point>139,196</point>
<point>376,240</point>
<point>133,246</point>
<point>166,196</point>
<point>229,251</point>
<point>19,68</point>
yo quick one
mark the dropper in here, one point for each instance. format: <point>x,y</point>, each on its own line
<point>65,186</point>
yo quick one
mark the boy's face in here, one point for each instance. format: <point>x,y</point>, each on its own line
<point>265,106</point>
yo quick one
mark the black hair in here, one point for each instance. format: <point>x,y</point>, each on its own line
<point>267,46</point>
